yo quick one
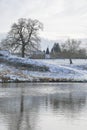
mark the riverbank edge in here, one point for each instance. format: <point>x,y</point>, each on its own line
<point>44,81</point>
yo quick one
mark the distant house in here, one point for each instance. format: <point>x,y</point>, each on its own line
<point>47,54</point>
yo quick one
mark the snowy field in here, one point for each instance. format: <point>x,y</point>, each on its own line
<point>64,61</point>
<point>14,68</point>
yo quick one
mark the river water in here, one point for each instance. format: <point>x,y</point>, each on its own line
<point>43,106</point>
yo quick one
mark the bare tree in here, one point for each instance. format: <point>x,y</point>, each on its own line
<point>23,36</point>
<point>70,48</point>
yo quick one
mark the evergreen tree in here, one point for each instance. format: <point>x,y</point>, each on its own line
<point>56,48</point>
<point>47,51</point>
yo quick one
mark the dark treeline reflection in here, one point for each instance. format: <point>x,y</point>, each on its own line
<point>20,108</point>
<point>68,104</point>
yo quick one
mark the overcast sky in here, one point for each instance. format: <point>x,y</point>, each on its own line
<point>61,18</point>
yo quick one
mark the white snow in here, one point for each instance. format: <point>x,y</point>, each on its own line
<point>58,70</point>
<point>4,53</point>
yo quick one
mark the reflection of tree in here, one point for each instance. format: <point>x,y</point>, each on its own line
<point>17,111</point>
<point>21,112</point>
<point>26,120</point>
<point>70,104</point>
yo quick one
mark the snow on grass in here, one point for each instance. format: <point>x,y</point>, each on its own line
<point>55,71</point>
<point>63,61</point>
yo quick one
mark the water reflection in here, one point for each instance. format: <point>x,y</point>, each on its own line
<point>69,105</point>
<point>30,108</point>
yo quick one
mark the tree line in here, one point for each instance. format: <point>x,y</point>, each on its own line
<point>70,49</point>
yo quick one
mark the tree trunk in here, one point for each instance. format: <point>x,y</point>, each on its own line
<point>70,61</point>
<point>23,50</point>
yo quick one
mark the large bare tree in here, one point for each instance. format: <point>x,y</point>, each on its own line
<point>23,36</point>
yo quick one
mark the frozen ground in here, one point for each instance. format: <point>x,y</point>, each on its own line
<point>64,61</point>
<point>55,70</point>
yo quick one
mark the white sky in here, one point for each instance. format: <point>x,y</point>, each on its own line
<point>61,18</point>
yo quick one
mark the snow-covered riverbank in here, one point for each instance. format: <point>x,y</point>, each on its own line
<point>14,69</point>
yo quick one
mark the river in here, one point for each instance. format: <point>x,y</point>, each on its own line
<point>43,106</point>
